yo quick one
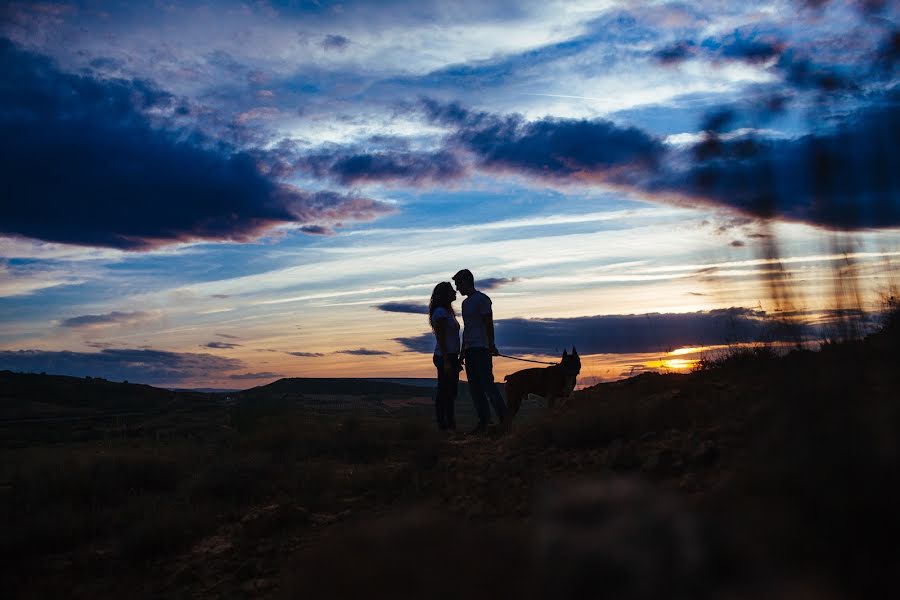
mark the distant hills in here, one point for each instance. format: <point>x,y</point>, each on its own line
<point>30,396</point>
<point>21,394</point>
<point>332,386</point>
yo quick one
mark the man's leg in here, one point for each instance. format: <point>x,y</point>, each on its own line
<point>491,389</point>
<point>474,371</point>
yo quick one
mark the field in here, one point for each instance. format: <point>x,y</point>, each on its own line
<point>759,475</point>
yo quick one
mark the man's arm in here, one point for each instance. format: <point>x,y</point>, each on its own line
<point>488,319</point>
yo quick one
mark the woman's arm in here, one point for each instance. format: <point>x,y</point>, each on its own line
<point>440,331</point>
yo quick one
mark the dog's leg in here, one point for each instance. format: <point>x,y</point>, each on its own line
<point>514,396</point>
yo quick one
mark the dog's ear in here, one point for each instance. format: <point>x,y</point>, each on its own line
<point>574,351</point>
<point>565,353</point>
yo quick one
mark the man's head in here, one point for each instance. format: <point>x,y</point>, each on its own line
<point>465,282</point>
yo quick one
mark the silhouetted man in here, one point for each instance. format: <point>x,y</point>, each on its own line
<point>478,347</point>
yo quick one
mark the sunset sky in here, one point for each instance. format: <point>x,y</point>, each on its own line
<point>220,194</point>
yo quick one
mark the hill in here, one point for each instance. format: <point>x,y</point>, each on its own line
<point>297,386</point>
<point>759,475</point>
<point>19,389</point>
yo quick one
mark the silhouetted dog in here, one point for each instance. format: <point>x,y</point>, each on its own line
<point>553,383</point>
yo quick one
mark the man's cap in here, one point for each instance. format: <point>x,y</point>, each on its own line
<point>465,275</point>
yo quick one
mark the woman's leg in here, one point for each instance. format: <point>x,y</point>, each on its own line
<point>440,394</point>
<point>450,405</point>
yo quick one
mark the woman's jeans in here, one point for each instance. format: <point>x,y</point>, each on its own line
<point>480,372</point>
<point>445,398</point>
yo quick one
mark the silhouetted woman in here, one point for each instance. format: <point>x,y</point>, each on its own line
<point>446,353</point>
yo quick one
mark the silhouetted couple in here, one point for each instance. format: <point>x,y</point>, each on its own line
<point>476,351</point>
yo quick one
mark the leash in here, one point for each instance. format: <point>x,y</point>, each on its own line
<point>540,362</point>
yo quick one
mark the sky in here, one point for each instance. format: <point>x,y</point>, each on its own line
<point>202,194</point>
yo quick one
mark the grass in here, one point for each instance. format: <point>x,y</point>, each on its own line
<point>144,500</point>
<point>803,475</point>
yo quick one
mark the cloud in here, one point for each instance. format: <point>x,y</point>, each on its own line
<point>98,162</point>
<point>335,42</point>
<point>743,44</point>
<point>676,52</point>
<point>363,352</point>
<point>624,334</point>
<point>229,337</point>
<point>142,365</point>
<point>494,282</point>
<point>220,345</point>
<point>842,178</point>
<point>404,307</point>
<point>261,375</point>
<point>306,354</point>
<point>113,318</point>
<point>349,167</point>
<point>548,148</point>
<point>316,230</point>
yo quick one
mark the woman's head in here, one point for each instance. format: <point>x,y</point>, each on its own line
<point>442,297</point>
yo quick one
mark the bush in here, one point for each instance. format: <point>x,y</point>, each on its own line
<point>738,358</point>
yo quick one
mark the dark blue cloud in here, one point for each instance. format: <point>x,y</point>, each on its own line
<point>112,318</point>
<point>624,334</point>
<point>804,73</point>
<point>335,42</point>
<point>549,148</point>
<point>306,354</point>
<point>494,282</point>
<point>676,52</point>
<point>404,307</point>
<point>752,45</point>
<point>847,178</point>
<point>83,163</point>
<point>829,64</point>
<point>842,177</point>
<point>363,352</point>
<point>316,230</point>
<point>141,365</point>
<point>349,167</point>
<point>220,345</point>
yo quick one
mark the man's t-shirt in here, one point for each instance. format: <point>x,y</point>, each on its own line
<point>474,307</point>
<point>452,335</point>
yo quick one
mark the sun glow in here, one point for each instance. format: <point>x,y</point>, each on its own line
<point>683,351</point>
<point>673,364</point>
